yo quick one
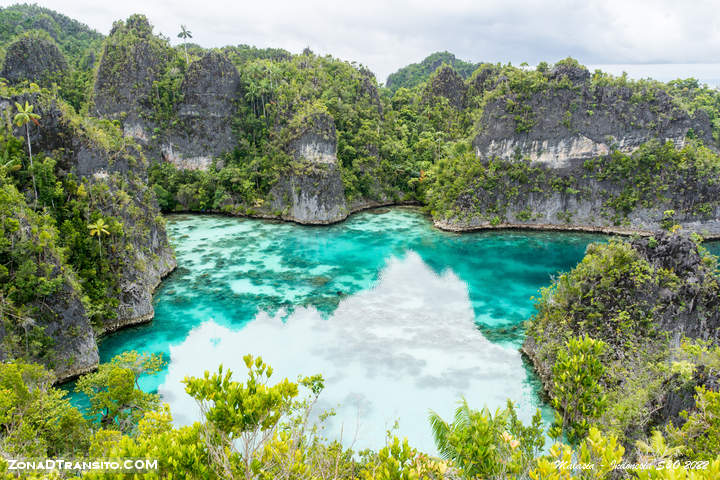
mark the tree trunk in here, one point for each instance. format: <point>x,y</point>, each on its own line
<point>32,172</point>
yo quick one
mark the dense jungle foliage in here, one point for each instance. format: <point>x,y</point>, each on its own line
<point>603,339</point>
<point>253,428</point>
<point>417,73</point>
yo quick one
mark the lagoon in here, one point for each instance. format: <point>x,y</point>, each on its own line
<point>399,317</point>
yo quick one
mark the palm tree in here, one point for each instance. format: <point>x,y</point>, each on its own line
<point>98,229</point>
<point>23,118</point>
<point>185,34</point>
<point>27,323</point>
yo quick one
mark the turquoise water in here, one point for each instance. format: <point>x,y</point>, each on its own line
<point>399,317</point>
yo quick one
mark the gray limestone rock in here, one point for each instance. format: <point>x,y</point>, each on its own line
<point>34,57</point>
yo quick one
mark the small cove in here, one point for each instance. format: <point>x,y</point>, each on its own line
<point>399,317</point>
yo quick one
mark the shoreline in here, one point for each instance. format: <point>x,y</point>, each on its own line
<point>543,227</point>
<point>445,226</point>
<point>438,224</point>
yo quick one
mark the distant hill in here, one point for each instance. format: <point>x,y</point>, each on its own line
<point>416,73</point>
<point>74,38</point>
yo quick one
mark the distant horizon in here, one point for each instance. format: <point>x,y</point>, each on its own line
<point>387,36</point>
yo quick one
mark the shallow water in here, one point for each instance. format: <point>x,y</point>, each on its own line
<point>399,317</point>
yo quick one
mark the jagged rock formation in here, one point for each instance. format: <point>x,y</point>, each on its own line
<point>594,196</point>
<point>147,256</point>
<point>311,191</point>
<point>678,396</point>
<point>73,143</point>
<point>60,315</point>
<point>116,162</point>
<point>563,126</point>
<point>34,57</point>
<point>485,79</point>
<point>446,83</point>
<point>640,298</point>
<point>132,59</point>
<point>122,167</point>
<point>692,309</point>
<point>554,150</point>
<point>204,116</point>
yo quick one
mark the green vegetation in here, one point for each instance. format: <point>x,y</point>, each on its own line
<point>76,40</point>
<point>79,44</point>
<point>185,34</point>
<point>484,445</point>
<point>23,117</point>
<point>462,186</point>
<point>575,392</point>
<point>260,430</point>
<point>417,73</point>
<point>601,340</point>
<point>87,229</point>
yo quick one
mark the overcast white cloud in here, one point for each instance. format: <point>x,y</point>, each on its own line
<point>387,34</point>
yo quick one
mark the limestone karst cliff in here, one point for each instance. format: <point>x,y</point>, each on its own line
<point>111,170</point>
<point>575,120</point>
<point>311,190</point>
<point>564,149</point>
<point>203,130</point>
<point>132,60</point>
<point>34,57</point>
<point>644,299</point>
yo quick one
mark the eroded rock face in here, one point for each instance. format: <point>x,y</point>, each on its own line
<point>690,310</point>
<point>34,58</point>
<point>584,205</point>
<point>132,59</point>
<point>679,396</point>
<point>147,255</point>
<point>71,144</point>
<point>549,136</point>
<point>75,349</point>
<point>447,83</point>
<point>312,191</point>
<point>54,328</point>
<point>484,79</point>
<point>204,129</point>
<point>568,126</point>
<point>686,307</point>
<point>575,73</point>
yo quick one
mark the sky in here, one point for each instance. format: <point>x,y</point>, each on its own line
<point>388,34</point>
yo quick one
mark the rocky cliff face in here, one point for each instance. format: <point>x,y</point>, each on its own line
<point>311,191</point>
<point>556,153</point>
<point>560,126</point>
<point>678,395</point>
<point>132,59</point>
<point>641,299</point>
<point>105,158</point>
<point>147,256</point>
<point>687,307</point>
<point>62,337</point>
<point>74,144</point>
<point>594,195</point>
<point>692,309</point>
<point>446,82</point>
<point>204,116</point>
<point>33,57</point>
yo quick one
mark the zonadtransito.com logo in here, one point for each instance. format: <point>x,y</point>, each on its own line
<point>83,465</point>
